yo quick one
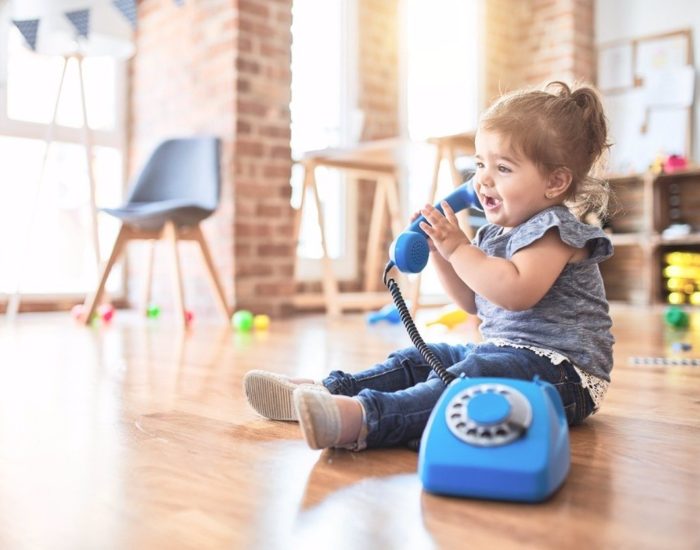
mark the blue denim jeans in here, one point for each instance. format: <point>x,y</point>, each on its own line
<point>399,394</point>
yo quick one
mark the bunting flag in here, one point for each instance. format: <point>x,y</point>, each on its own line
<point>28,28</point>
<point>96,17</point>
<point>127,9</point>
<point>80,20</point>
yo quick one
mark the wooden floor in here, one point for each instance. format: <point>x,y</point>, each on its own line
<point>132,437</point>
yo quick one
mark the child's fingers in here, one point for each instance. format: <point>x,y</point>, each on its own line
<point>431,213</point>
<point>449,213</point>
<point>425,226</point>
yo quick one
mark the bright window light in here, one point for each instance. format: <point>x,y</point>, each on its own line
<point>46,237</point>
<point>441,84</point>
<point>320,102</point>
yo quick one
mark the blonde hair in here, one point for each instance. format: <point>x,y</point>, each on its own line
<point>557,127</point>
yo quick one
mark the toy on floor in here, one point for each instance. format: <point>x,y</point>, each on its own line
<point>261,322</point>
<point>388,313</point>
<point>676,317</point>
<point>106,312</point>
<point>496,438</point>
<point>681,346</point>
<point>242,320</point>
<point>77,312</point>
<point>152,311</point>
<point>450,319</point>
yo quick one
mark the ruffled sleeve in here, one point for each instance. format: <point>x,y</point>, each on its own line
<point>485,233</point>
<point>571,231</point>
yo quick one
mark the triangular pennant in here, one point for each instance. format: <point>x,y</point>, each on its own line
<point>128,9</point>
<point>80,20</point>
<point>28,28</point>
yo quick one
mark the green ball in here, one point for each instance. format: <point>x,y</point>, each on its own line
<point>676,317</point>
<point>242,320</point>
<point>153,311</point>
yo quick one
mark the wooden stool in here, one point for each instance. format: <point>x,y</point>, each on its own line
<point>372,161</point>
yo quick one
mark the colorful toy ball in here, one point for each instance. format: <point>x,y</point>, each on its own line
<point>77,312</point>
<point>106,312</point>
<point>242,320</point>
<point>681,346</point>
<point>676,317</point>
<point>261,322</point>
<point>152,311</point>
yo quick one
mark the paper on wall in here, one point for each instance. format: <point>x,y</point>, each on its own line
<point>671,87</point>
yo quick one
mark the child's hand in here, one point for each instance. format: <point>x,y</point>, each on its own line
<point>416,215</point>
<point>443,230</point>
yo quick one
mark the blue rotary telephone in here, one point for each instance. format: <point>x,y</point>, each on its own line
<point>493,438</point>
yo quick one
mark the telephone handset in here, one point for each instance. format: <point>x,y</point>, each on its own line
<point>410,251</point>
<point>495,438</point>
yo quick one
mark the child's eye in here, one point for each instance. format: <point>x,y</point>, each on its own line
<point>479,165</point>
<point>504,169</point>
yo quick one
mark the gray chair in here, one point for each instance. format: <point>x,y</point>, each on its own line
<point>178,187</point>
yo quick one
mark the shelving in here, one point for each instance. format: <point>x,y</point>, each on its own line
<point>643,206</point>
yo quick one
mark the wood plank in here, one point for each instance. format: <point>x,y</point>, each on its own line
<point>137,435</point>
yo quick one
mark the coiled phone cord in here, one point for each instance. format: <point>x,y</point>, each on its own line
<point>413,333</point>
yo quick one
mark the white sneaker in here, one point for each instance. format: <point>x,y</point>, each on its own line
<point>319,418</point>
<point>270,394</point>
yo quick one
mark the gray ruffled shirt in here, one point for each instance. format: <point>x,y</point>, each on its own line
<point>572,318</point>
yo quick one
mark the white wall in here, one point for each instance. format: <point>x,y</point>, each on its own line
<point>624,19</point>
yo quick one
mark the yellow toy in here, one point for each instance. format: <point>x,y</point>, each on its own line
<point>450,318</point>
<point>261,322</point>
<point>682,274</point>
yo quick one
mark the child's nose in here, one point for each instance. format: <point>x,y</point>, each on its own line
<point>485,180</point>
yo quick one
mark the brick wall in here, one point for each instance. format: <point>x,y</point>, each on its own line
<point>263,217</point>
<point>222,67</point>
<point>531,42</point>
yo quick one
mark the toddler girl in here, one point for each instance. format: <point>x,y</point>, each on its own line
<point>531,275</point>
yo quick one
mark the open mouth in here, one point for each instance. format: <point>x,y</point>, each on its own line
<point>490,202</point>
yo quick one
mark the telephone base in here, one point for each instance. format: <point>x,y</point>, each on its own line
<point>496,438</point>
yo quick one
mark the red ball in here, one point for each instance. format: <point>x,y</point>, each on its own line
<point>106,312</point>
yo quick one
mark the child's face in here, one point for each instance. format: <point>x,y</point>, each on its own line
<point>510,187</point>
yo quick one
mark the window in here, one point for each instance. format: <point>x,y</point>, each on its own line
<point>47,229</point>
<point>322,107</point>
<point>440,89</point>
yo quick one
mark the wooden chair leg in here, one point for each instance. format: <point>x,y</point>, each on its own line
<point>148,279</point>
<point>92,301</point>
<point>377,227</point>
<point>170,233</point>
<point>214,280</point>
<point>330,283</point>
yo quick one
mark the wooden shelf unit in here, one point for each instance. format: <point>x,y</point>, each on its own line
<point>640,211</point>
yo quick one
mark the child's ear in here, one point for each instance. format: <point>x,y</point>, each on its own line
<point>558,182</point>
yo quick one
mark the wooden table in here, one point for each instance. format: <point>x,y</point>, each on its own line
<point>375,160</point>
<point>380,161</point>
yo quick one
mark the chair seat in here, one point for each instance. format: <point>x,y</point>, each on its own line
<point>153,215</point>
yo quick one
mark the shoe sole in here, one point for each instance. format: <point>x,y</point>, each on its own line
<point>270,396</point>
